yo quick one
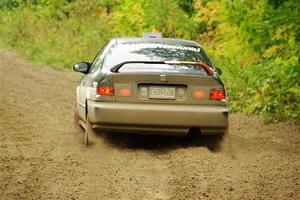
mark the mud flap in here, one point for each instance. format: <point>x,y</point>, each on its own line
<point>87,133</point>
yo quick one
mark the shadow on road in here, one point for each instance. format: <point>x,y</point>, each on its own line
<point>161,143</point>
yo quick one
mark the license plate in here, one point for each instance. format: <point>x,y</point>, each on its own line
<point>161,92</point>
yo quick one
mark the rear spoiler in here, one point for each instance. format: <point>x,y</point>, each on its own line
<point>205,66</point>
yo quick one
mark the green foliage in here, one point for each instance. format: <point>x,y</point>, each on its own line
<point>58,33</point>
<point>9,4</point>
<point>255,42</point>
<point>187,6</point>
<point>267,76</point>
<point>135,17</point>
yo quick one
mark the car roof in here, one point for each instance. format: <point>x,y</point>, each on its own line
<point>168,41</point>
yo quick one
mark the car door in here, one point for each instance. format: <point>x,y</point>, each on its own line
<point>85,85</point>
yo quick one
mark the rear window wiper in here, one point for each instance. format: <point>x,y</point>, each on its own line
<point>205,66</point>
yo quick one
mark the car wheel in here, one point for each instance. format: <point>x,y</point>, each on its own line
<point>218,140</point>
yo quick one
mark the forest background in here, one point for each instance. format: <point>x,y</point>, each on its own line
<point>256,43</point>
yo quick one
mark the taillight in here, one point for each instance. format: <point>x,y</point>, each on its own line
<point>105,91</point>
<point>199,94</point>
<point>125,92</point>
<point>217,94</point>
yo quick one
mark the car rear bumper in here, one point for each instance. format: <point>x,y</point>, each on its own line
<point>157,118</point>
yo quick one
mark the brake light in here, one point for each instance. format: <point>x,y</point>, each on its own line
<point>105,91</point>
<point>217,94</point>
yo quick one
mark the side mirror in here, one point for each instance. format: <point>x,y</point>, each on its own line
<point>82,67</point>
<point>218,70</point>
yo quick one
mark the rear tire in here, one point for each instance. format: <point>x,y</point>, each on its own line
<point>218,140</point>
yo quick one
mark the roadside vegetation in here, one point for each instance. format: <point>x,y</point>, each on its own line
<point>255,42</point>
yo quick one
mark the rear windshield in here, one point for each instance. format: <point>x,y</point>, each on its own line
<point>156,52</point>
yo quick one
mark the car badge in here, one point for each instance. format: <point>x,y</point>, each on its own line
<point>163,78</point>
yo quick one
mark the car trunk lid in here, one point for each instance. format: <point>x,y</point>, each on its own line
<point>140,87</point>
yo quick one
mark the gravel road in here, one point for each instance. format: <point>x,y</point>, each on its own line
<point>43,156</point>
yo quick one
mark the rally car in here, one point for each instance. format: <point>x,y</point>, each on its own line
<point>151,85</point>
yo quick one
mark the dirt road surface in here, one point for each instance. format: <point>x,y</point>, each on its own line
<point>43,156</point>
